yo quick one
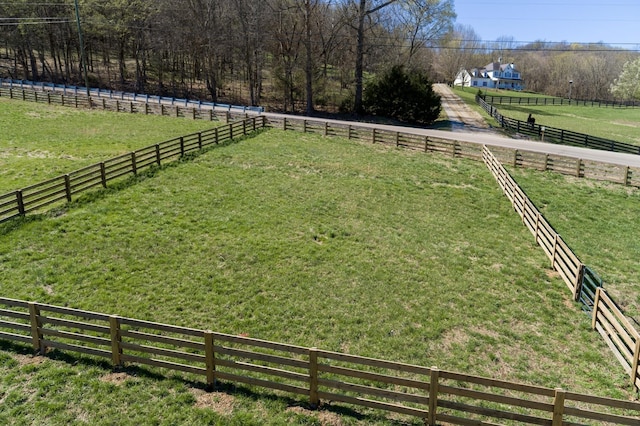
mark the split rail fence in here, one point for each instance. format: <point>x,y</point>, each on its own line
<point>608,319</point>
<point>555,135</point>
<point>317,375</point>
<point>616,330</point>
<point>137,105</point>
<point>66,187</point>
<point>545,101</point>
<point>572,166</point>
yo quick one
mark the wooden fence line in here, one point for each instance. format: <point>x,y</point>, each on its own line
<point>427,393</point>
<point>120,105</point>
<point>617,331</point>
<point>571,166</point>
<point>562,258</point>
<point>552,134</point>
<point>66,187</point>
<point>509,100</point>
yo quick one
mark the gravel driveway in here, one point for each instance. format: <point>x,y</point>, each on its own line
<point>461,117</point>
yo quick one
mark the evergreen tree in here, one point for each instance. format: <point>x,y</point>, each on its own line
<point>404,95</point>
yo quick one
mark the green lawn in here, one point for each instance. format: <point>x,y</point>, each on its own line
<point>304,240</point>
<point>599,221</point>
<point>619,124</point>
<point>38,141</point>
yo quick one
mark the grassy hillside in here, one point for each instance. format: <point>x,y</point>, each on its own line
<point>39,141</point>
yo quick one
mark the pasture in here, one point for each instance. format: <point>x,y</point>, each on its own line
<point>38,141</point>
<point>306,240</point>
<point>599,221</point>
<point>618,124</point>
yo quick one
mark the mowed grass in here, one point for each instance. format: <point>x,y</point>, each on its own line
<point>618,124</point>
<point>38,141</point>
<point>599,221</point>
<point>311,241</point>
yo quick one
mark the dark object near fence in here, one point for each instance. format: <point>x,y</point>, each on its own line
<point>531,120</point>
<point>555,135</point>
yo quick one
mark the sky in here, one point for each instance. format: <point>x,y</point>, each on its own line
<point>613,22</point>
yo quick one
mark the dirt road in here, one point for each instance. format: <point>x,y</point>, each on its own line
<point>461,117</point>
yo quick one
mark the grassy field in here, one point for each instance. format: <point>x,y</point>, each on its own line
<point>619,124</point>
<point>599,221</point>
<point>304,240</point>
<point>38,141</point>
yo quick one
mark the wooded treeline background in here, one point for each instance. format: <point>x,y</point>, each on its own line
<point>288,55</point>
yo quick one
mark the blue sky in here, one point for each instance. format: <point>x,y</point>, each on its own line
<point>615,22</point>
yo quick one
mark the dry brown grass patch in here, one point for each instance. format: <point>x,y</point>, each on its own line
<point>219,402</point>
<point>326,418</point>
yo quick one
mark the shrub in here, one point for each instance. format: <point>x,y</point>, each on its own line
<point>404,95</point>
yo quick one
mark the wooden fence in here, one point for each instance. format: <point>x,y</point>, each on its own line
<point>66,187</point>
<point>317,375</point>
<point>542,101</point>
<point>619,334</point>
<point>120,105</point>
<point>517,157</point>
<point>621,337</point>
<point>555,135</point>
<point>562,258</point>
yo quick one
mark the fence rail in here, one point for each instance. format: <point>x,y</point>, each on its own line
<point>621,337</point>
<point>555,135</point>
<point>123,96</point>
<point>517,157</point>
<point>544,101</point>
<point>66,187</point>
<point>133,105</point>
<point>427,393</point>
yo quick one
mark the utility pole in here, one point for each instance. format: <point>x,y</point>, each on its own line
<point>83,55</point>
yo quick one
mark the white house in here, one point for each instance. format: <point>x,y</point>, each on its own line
<point>494,75</point>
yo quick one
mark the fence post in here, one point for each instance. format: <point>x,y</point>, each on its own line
<point>244,127</point>
<point>349,132</point>
<point>578,283</point>
<point>20,201</point>
<point>314,399</point>
<point>397,139</point>
<point>304,126</point>
<point>558,407</point>
<point>215,135</point>
<point>181,146</point>
<point>626,176</point>
<point>253,124</point>
<point>158,154</point>
<point>326,128</point>
<point>134,163</point>
<point>433,396</point>
<point>284,123</point>
<point>36,334</point>
<point>67,187</point>
<point>594,313</point>
<point>373,136</point>
<point>636,362</point>
<point>579,167</point>
<point>103,175</point>
<point>230,131</point>
<point>554,252</point>
<point>426,143</point>
<point>454,147</point>
<point>116,348</point>
<point>199,140</point>
<point>210,359</point>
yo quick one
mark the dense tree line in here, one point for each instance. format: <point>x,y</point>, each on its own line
<point>291,55</point>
